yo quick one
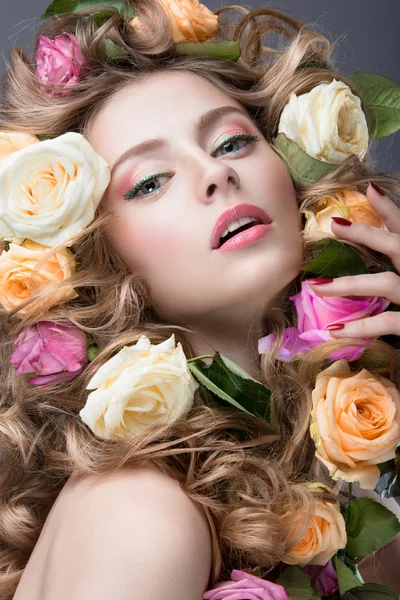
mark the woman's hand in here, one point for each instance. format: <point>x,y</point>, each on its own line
<point>385,284</point>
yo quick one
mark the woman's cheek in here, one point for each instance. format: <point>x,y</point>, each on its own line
<point>146,244</point>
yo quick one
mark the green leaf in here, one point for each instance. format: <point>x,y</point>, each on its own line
<point>310,64</point>
<point>101,17</point>
<point>369,526</point>
<point>297,584</point>
<point>232,366</point>
<point>303,168</point>
<point>93,351</point>
<point>204,380</point>
<point>372,591</point>
<point>223,50</point>
<point>58,7</point>
<point>335,259</point>
<point>43,138</point>
<point>226,381</point>
<point>113,51</point>
<point>381,97</point>
<point>346,578</point>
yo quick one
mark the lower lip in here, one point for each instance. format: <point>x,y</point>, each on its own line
<point>245,238</point>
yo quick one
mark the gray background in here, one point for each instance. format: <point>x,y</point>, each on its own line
<point>367,30</point>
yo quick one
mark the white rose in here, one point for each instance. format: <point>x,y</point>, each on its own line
<point>142,385</point>
<point>328,123</point>
<point>12,141</point>
<point>49,191</point>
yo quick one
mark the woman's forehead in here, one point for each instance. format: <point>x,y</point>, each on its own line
<point>165,104</point>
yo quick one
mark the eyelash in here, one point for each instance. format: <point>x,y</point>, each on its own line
<point>132,193</point>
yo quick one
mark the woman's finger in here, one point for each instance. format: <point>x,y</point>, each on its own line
<point>384,285</point>
<point>383,241</point>
<point>385,323</point>
<point>384,207</point>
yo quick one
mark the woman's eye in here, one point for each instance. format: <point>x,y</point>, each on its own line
<point>238,137</point>
<point>148,185</point>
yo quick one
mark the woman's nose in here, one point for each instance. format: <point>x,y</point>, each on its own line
<point>218,178</point>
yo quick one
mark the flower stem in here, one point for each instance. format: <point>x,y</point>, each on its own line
<point>200,357</point>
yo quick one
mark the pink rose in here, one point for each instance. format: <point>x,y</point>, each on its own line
<point>244,586</point>
<point>291,345</point>
<point>53,352</point>
<point>323,578</point>
<point>314,312</point>
<point>59,61</point>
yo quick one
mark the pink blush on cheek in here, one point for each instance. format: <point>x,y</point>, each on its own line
<point>145,244</point>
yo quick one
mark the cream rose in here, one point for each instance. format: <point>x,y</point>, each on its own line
<point>49,191</point>
<point>190,20</point>
<point>355,422</point>
<point>346,203</point>
<point>324,536</point>
<point>11,141</point>
<point>142,385</point>
<point>21,277</point>
<point>328,123</point>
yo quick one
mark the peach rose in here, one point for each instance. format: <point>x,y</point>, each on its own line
<point>190,20</point>
<point>355,422</point>
<point>19,280</point>
<point>11,141</point>
<point>346,203</point>
<point>324,536</point>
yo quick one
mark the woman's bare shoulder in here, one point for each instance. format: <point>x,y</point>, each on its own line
<point>134,533</point>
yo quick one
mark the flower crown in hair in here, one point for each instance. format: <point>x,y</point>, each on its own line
<point>49,192</point>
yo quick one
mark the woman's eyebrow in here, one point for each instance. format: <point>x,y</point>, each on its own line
<point>204,123</point>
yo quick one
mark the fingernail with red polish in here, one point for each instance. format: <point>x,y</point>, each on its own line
<point>377,188</point>
<point>334,326</point>
<point>319,280</point>
<point>341,221</point>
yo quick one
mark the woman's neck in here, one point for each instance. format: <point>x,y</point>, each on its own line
<point>234,337</point>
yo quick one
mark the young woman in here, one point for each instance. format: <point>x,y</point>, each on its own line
<point>171,509</point>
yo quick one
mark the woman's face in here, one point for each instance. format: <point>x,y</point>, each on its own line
<point>169,196</point>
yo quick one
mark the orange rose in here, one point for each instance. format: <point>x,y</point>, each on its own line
<point>355,422</point>
<point>324,536</point>
<point>348,204</point>
<point>190,20</point>
<point>11,141</point>
<point>19,280</point>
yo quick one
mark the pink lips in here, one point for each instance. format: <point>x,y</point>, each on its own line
<point>244,237</point>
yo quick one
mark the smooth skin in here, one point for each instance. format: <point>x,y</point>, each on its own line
<point>134,534</point>
<point>166,236</point>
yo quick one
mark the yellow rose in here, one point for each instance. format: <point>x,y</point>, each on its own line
<point>324,536</point>
<point>142,385</point>
<point>190,20</point>
<point>11,141</point>
<point>355,422</point>
<point>328,123</point>
<point>49,191</point>
<point>346,203</point>
<point>19,280</point>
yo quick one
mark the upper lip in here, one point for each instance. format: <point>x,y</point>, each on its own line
<point>232,214</point>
